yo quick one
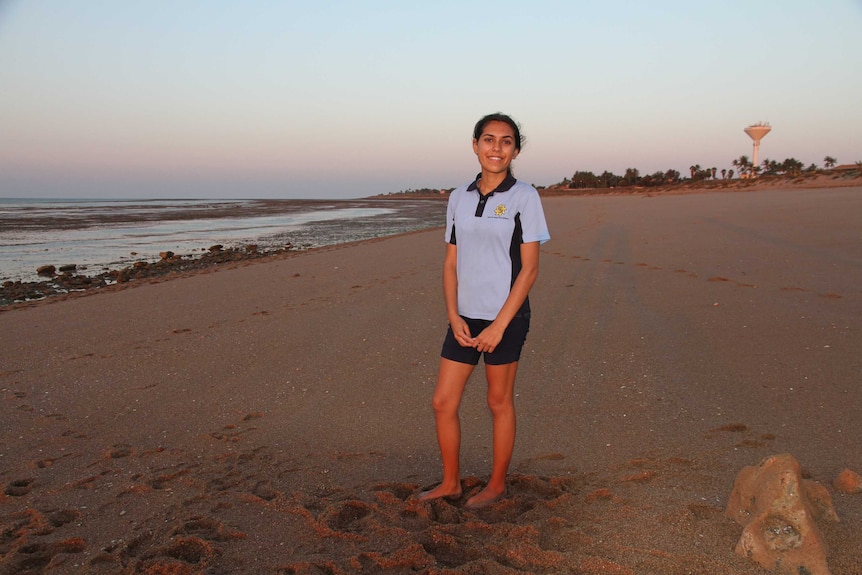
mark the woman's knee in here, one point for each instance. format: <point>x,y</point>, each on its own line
<point>443,404</point>
<point>501,404</point>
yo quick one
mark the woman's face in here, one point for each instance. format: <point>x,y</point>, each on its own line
<point>495,148</point>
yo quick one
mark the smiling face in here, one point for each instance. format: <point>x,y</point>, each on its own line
<point>496,147</point>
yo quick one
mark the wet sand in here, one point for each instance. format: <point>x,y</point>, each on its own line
<point>273,417</point>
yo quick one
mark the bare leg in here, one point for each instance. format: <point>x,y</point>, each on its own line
<point>501,401</point>
<point>451,380</point>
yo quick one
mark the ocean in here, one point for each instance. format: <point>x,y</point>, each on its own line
<point>100,235</point>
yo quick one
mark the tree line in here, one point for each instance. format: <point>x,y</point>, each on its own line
<point>742,168</point>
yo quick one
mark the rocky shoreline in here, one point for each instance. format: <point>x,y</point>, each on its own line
<point>67,279</point>
<point>74,278</point>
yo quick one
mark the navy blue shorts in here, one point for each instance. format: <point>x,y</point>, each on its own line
<point>507,351</point>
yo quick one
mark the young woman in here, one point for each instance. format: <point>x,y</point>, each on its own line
<point>493,230</point>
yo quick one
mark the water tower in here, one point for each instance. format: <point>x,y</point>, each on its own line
<point>756,133</point>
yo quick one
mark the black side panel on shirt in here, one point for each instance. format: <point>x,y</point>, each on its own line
<point>515,255</point>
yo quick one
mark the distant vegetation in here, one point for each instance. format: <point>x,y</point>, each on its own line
<point>421,192</point>
<point>743,169</point>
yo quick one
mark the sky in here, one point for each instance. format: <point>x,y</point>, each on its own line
<point>337,99</point>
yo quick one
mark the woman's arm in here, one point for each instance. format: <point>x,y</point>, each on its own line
<point>450,293</point>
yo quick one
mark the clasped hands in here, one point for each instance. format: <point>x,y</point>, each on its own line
<point>487,340</point>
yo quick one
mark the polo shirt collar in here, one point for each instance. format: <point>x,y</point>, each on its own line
<point>504,186</point>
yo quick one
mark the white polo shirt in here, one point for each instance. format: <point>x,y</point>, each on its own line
<point>489,231</point>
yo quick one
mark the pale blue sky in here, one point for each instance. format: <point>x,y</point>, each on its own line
<point>213,98</point>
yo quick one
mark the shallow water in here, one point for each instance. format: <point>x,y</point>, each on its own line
<point>100,235</point>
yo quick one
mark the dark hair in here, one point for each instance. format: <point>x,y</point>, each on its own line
<point>498,117</point>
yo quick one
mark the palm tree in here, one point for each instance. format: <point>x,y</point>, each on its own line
<point>829,162</point>
<point>770,167</point>
<point>632,176</point>
<point>744,165</point>
<point>792,166</point>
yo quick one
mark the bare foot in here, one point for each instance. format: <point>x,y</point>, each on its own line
<point>485,498</point>
<point>441,491</point>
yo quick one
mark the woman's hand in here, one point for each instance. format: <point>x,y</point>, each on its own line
<point>490,337</point>
<point>462,332</point>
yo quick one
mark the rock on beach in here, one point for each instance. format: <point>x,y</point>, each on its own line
<point>779,511</point>
<point>848,482</point>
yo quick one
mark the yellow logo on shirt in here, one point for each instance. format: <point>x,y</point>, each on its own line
<point>500,210</point>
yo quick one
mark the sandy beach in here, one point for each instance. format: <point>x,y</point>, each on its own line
<point>274,416</point>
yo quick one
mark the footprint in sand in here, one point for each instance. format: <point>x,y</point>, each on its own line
<point>228,433</point>
<point>732,427</point>
<point>750,441</point>
<point>63,516</point>
<point>119,450</point>
<point>34,558</point>
<point>45,463</point>
<point>207,528</point>
<point>19,488</point>
<point>232,433</point>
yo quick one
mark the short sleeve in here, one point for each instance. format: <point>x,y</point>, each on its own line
<point>451,208</point>
<point>533,225</point>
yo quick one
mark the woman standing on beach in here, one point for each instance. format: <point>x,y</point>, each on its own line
<point>493,230</point>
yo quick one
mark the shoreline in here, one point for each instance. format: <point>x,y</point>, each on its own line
<point>151,259</point>
<point>174,266</point>
<point>69,283</point>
